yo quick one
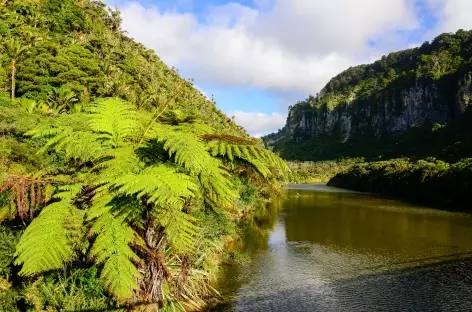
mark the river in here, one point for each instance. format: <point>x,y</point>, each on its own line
<point>325,249</point>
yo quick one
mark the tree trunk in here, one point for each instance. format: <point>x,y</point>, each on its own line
<point>13,71</point>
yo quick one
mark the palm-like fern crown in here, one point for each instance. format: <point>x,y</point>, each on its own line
<point>117,187</point>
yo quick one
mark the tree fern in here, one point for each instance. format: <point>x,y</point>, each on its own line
<point>167,191</point>
<point>179,227</point>
<point>192,154</point>
<point>188,151</point>
<point>140,181</point>
<point>216,187</point>
<point>267,163</point>
<point>113,164</point>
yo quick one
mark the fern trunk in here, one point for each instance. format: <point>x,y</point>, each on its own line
<point>154,269</point>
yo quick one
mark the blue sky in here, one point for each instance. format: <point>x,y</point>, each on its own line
<point>257,57</point>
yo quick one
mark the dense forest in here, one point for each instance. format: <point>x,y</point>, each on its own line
<point>115,192</point>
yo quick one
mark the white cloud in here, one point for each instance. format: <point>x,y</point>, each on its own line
<point>308,28</point>
<point>289,45</point>
<point>453,14</point>
<point>259,124</point>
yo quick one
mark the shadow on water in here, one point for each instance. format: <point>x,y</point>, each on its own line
<point>324,250</point>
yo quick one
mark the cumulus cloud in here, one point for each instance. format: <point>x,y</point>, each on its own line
<point>289,45</point>
<point>307,28</point>
<point>259,124</point>
<point>452,14</point>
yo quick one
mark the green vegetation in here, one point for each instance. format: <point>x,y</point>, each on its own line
<point>115,192</point>
<point>429,181</point>
<point>65,53</point>
<point>135,198</point>
<point>319,171</point>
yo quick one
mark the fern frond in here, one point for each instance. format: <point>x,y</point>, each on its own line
<point>49,241</point>
<point>260,166</point>
<point>112,250</point>
<point>6,212</point>
<point>159,185</point>
<point>80,145</point>
<point>192,154</point>
<point>217,189</point>
<point>100,205</point>
<point>236,151</point>
<point>264,161</point>
<point>68,192</point>
<point>188,151</point>
<point>179,227</point>
<point>227,138</point>
<point>116,162</point>
<point>115,119</point>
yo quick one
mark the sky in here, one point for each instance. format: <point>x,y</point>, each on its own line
<point>257,57</point>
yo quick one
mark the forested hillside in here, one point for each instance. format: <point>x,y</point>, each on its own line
<point>121,185</point>
<point>390,108</point>
<point>64,53</point>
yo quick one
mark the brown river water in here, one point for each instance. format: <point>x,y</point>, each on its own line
<point>325,249</point>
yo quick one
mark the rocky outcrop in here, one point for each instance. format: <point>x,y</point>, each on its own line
<point>394,111</point>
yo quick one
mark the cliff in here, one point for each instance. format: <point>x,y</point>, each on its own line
<point>364,107</point>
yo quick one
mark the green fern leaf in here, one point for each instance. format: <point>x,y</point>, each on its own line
<point>78,145</point>
<point>179,227</point>
<point>112,250</point>
<point>116,162</point>
<point>192,154</point>
<point>264,161</point>
<point>115,119</point>
<point>187,150</point>
<point>217,189</point>
<point>159,185</point>
<point>48,242</point>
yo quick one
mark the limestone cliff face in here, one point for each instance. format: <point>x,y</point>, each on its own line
<point>412,88</point>
<point>415,105</point>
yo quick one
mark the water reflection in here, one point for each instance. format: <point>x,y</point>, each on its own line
<point>331,251</point>
<point>368,224</point>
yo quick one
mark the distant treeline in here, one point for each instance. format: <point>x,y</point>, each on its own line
<point>428,181</point>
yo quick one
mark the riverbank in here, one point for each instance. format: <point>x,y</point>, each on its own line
<point>319,171</point>
<point>428,181</point>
